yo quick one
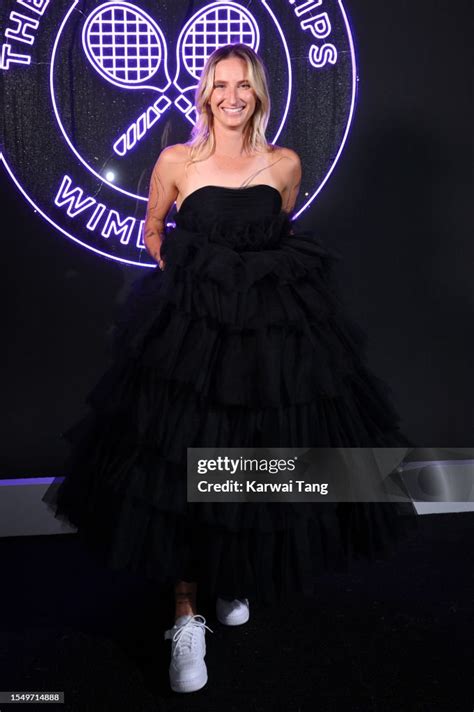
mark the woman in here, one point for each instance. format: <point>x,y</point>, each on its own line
<point>239,340</point>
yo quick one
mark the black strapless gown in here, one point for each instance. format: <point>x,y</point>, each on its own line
<point>241,341</point>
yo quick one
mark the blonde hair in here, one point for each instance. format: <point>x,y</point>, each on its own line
<point>202,141</point>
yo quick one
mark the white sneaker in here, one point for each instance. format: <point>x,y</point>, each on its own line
<point>188,671</point>
<point>234,612</point>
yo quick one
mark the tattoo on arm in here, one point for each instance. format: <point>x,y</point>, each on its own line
<point>154,226</point>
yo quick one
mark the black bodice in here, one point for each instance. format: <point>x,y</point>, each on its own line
<point>241,203</point>
<point>241,219</point>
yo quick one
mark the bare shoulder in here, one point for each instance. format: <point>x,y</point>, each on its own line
<point>166,178</point>
<point>290,161</point>
<point>288,164</point>
<point>170,167</point>
<point>174,155</point>
<point>287,153</point>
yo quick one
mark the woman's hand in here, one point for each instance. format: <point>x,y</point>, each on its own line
<point>159,261</point>
<point>156,256</point>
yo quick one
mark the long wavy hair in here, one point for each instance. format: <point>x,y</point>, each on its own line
<point>202,140</point>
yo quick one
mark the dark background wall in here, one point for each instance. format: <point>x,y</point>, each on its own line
<point>398,207</point>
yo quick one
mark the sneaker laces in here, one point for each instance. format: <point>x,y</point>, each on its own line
<point>184,637</point>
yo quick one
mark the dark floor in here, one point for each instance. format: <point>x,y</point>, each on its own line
<point>394,637</point>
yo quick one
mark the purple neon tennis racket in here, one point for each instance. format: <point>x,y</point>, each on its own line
<point>127,48</point>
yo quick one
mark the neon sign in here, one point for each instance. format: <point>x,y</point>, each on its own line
<point>115,82</point>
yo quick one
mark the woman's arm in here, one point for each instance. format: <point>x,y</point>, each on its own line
<point>292,178</point>
<point>162,194</point>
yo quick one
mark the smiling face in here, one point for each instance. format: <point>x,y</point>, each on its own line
<point>233,100</point>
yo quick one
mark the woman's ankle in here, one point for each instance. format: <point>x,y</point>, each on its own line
<point>185,599</point>
<point>184,612</point>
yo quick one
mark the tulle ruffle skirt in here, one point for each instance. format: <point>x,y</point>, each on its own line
<point>229,348</point>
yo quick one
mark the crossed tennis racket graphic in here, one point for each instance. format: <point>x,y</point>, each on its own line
<point>127,48</point>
